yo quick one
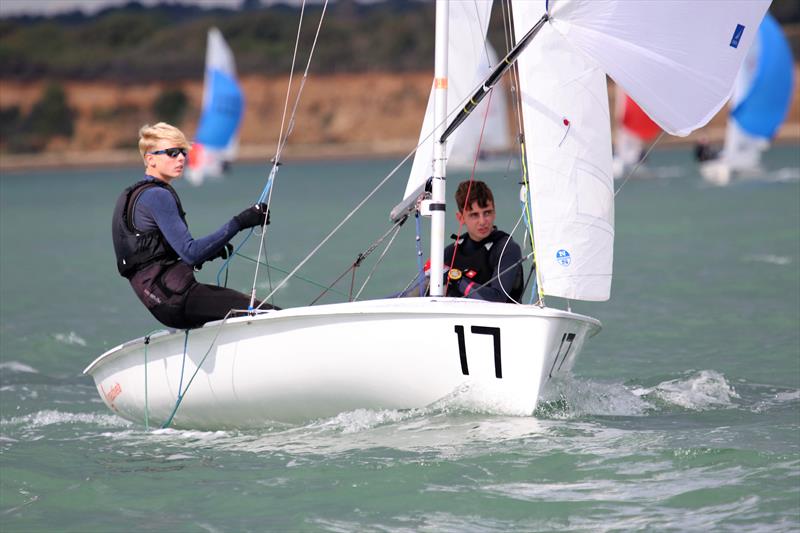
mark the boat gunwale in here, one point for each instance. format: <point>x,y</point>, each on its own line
<point>406,306</point>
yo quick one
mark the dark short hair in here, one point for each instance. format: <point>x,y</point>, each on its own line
<point>478,192</point>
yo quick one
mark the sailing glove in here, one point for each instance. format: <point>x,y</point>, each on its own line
<point>224,252</point>
<point>252,216</point>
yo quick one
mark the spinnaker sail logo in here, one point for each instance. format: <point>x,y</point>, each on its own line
<point>737,36</point>
<point>563,258</point>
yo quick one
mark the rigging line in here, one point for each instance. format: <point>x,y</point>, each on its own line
<point>357,207</point>
<point>293,116</point>
<point>467,202</point>
<point>146,395</point>
<point>516,263</point>
<point>197,369</point>
<point>181,392</point>
<point>289,85</point>
<point>361,256</point>
<point>418,242</point>
<point>508,30</point>
<point>282,271</point>
<point>341,223</point>
<point>638,164</point>
<point>330,287</point>
<point>494,77</point>
<point>417,281</point>
<point>500,260</point>
<point>378,262</point>
<point>282,143</point>
<point>486,36</point>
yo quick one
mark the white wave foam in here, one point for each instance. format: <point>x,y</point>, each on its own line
<point>362,419</point>
<point>786,174</point>
<point>51,417</point>
<point>16,366</point>
<point>788,396</point>
<point>703,390</point>
<point>571,397</point>
<point>483,399</point>
<point>770,259</point>
<point>70,338</point>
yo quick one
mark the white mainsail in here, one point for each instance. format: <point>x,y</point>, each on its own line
<point>468,23</point>
<point>677,59</point>
<point>568,144</point>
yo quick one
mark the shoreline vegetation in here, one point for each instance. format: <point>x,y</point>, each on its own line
<point>75,89</point>
<point>339,116</point>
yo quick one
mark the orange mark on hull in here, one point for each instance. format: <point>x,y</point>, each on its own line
<point>112,395</point>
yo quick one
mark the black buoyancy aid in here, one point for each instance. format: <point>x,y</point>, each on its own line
<point>478,260</point>
<point>136,249</point>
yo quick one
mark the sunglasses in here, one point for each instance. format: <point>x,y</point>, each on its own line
<point>171,152</point>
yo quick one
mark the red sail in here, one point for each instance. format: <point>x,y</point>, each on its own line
<point>636,121</point>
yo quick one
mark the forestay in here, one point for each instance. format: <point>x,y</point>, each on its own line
<point>568,145</point>
<point>468,23</point>
<point>677,59</point>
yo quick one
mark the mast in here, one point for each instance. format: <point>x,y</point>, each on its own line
<point>437,204</point>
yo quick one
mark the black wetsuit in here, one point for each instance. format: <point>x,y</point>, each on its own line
<point>157,254</point>
<point>479,262</point>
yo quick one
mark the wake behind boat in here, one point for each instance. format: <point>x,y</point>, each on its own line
<point>403,353</point>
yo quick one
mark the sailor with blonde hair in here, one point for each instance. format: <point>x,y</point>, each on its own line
<point>154,248</point>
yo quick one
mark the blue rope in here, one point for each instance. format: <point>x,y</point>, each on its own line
<point>180,383</point>
<point>230,258</point>
<point>420,266</point>
<point>261,198</point>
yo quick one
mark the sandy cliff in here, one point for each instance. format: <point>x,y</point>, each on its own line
<point>338,115</point>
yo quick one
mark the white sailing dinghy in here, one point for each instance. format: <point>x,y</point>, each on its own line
<point>310,362</point>
<point>216,144</point>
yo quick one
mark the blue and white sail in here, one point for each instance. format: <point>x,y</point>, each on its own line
<point>761,97</point>
<point>216,143</point>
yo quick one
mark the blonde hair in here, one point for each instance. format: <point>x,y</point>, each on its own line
<point>149,136</point>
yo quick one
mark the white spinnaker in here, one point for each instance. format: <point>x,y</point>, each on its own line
<point>468,21</point>
<point>568,145</point>
<point>676,58</point>
<point>493,124</point>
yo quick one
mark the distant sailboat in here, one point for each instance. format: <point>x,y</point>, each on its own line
<point>634,131</point>
<point>760,102</point>
<point>217,141</point>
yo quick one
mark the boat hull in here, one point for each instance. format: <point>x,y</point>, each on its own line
<point>306,363</point>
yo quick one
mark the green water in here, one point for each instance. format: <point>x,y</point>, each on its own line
<point>682,415</point>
